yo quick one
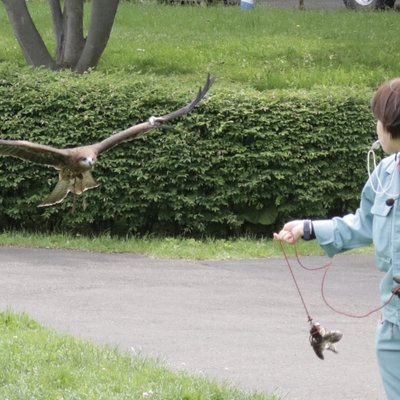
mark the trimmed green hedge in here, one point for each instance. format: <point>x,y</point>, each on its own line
<point>243,161</point>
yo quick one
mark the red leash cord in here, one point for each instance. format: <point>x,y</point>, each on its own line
<point>295,282</point>
<point>326,268</point>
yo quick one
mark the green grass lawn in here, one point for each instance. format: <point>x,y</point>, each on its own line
<point>265,48</point>
<point>38,364</point>
<point>184,248</point>
<point>169,247</point>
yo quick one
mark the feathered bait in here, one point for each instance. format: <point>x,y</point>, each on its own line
<point>321,340</point>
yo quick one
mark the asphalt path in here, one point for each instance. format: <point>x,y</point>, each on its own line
<point>309,4</point>
<point>239,322</point>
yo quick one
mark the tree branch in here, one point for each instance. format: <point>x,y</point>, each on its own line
<point>32,45</point>
<point>58,21</point>
<point>73,30</point>
<point>101,22</point>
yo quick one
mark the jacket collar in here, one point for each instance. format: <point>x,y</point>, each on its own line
<point>392,161</point>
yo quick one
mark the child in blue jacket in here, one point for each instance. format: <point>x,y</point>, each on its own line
<point>376,221</point>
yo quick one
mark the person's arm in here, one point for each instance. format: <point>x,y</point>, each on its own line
<point>336,234</point>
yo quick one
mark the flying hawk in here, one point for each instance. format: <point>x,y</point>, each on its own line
<point>75,164</point>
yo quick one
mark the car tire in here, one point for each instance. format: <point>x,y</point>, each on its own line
<point>368,4</point>
<point>390,3</point>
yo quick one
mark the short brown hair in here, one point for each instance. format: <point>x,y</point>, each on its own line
<point>385,106</point>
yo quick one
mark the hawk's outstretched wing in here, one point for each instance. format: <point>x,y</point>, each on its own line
<point>37,153</point>
<point>153,122</point>
<point>189,107</point>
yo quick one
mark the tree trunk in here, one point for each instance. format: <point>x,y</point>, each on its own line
<point>58,28</point>
<point>73,33</point>
<point>72,50</point>
<point>101,22</point>
<point>32,45</point>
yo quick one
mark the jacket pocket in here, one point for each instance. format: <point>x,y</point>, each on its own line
<point>382,233</point>
<point>380,208</point>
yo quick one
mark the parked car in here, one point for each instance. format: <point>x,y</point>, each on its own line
<point>369,4</point>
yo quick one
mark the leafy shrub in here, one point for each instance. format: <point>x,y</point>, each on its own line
<point>242,161</point>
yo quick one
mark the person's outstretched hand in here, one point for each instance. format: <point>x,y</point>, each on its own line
<point>290,232</point>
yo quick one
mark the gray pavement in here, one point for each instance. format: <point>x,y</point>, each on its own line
<point>309,4</point>
<point>239,322</point>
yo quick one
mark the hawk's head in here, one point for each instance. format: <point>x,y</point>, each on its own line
<point>87,162</point>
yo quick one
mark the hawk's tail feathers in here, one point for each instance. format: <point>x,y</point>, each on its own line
<point>66,184</point>
<point>58,194</point>
<point>82,183</point>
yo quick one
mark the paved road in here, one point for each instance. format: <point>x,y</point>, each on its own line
<point>236,321</point>
<point>309,4</point>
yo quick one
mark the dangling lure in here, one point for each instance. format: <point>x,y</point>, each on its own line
<point>322,340</point>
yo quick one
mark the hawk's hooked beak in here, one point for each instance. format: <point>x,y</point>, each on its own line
<point>87,162</point>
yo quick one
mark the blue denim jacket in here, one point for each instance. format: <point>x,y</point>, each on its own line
<point>374,222</point>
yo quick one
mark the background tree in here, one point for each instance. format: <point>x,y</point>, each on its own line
<point>73,50</point>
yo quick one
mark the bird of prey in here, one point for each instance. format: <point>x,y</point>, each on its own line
<point>75,164</point>
<point>321,340</point>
